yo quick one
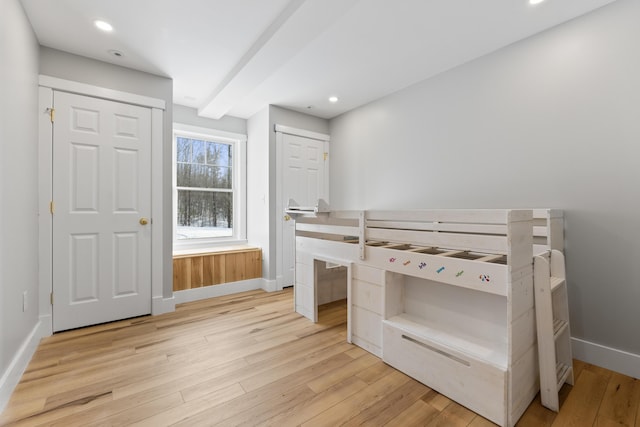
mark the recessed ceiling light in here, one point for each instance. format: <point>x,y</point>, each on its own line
<point>104,26</point>
<point>333,99</point>
<point>535,1</point>
<point>116,53</point>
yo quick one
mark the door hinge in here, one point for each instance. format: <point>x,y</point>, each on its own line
<point>52,207</point>
<point>51,297</point>
<point>325,156</point>
<point>52,114</point>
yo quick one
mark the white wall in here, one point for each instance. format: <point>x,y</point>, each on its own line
<point>67,66</point>
<point>552,121</point>
<point>258,186</point>
<point>18,186</point>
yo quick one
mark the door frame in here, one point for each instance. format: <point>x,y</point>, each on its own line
<point>280,130</point>
<point>47,85</point>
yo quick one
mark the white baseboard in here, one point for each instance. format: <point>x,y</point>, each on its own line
<point>205,292</point>
<point>161,305</point>
<point>606,357</point>
<point>11,377</point>
<point>46,325</point>
<point>269,285</point>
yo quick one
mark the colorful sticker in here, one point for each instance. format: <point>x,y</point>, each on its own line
<point>406,263</point>
<point>392,260</point>
<point>422,265</point>
<point>460,273</point>
<point>484,277</point>
<point>440,270</point>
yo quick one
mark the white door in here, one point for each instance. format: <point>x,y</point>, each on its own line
<point>102,201</point>
<point>304,179</point>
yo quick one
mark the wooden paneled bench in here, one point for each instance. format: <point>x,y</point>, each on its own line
<point>213,267</point>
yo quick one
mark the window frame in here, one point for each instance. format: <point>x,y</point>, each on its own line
<point>238,187</point>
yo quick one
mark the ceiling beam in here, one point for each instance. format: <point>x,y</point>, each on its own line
<point>297,26</point>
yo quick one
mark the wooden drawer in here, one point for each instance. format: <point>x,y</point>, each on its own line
<point>472,383</point>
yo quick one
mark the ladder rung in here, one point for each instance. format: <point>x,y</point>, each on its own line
<point>555,282</point>
<point>559,326</point>
<point>562,371</point>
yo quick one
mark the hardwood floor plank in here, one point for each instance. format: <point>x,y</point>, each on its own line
<point>478,421</point>
<point>306,369</point>
<point>375,372</point>
<point>248,359</point>
<point>318,404</point>
<point>394,403</point>
<point>620,401</point>
<point>419,413</point>
<point>265,367</point>
<point>537,415</point>
<point>262,412</point>
<point>582,405</point>
<point>437,400</point>
<point>256,401</point>
<point>347,409</point>
<point>329,379</point>
<point>140,412</point>
<point>180,377</point>
<point>295,348</point>
<point>454,415</point>
<point>189,409</point>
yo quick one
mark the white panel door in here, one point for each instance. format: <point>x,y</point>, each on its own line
<point>303,180</point>
<point>102,197</point>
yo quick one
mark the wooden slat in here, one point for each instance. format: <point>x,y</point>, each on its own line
<point>474,243</point>
<point>181,274</point>
<point>451,227</point>
<point>220,266</point>
<point>253,264</point>
<point>196,272</point>
<point>478,216</point>
<point>234,265</point>
<point>490,258</point>
<point>208,269</point>
<point>328,229</point>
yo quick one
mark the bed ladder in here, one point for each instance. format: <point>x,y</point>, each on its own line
<point>552,318</point>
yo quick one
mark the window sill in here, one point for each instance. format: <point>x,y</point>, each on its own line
<point>229,248</point>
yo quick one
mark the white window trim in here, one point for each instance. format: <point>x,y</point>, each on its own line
<point>239,142</point>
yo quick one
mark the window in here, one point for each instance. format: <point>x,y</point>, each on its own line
<point>209,187</point>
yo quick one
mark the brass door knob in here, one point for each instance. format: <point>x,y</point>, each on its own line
<point>287,218</point>
<point>144,221</point>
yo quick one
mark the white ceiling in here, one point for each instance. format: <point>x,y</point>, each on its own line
<point>234,57</point>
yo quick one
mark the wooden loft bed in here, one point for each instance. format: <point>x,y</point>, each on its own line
<point>445,296</point>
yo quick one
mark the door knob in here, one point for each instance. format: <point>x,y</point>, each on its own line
<point>287,218</point>
<point>144,221</point>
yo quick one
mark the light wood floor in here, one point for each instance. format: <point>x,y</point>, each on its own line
<point>247,359</point>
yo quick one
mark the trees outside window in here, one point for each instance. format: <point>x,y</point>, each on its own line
<point>205,189</point>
